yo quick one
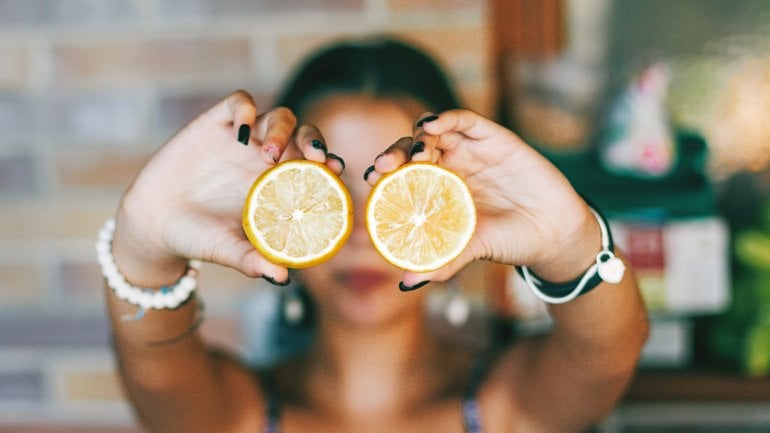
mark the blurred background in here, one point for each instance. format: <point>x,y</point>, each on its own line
<point>657,110</point>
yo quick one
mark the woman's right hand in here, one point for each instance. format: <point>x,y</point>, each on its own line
<point>186,203</point>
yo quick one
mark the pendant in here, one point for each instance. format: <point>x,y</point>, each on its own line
<point>609,267</point>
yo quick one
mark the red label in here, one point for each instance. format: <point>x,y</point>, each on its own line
<point>645,247</point>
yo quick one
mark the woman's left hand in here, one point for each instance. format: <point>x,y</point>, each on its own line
<point>527,211</point>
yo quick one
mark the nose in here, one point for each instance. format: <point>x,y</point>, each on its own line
<point>359,194</point>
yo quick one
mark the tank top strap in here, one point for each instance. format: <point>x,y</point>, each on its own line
<point>470,405</point>
<point>272,405</point>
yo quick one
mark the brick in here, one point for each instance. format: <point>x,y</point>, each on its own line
<point>18,175</point>
<point>81,282</point>
<point>71,13</point>
<point>90,385</point>
<point>14,67</point>
<point>462,52</point>
<point>52,220</point>
<point>97,167</point>
<point>37,330</point>
<point>21,386</point>
<point>19,117</point>
<point>20,284</point>
<point>167,60</point>
<point>171,9</point>
<point>294,48</point>
<point>68,428</point>
<point>176,110</point>
<point>89,118</point>
<point>433,5</point>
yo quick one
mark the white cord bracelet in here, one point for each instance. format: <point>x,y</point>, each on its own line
<point>608,268</point>
<point>170,297</point>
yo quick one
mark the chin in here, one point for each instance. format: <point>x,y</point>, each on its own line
<point>381,310</point>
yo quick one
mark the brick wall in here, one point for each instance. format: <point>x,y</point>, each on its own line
<point>88,89</point>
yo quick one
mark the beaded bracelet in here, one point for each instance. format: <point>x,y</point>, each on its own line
<point>168,297</point>
<point>607,268</point>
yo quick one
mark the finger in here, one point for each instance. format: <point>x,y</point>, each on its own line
<point>335,163</point>
<point>311,143</point>
<point>466,122</point>
<point>237,110</point>
<point>396,155</point>
<point>423,148</point>
<point>241,255</point>
<point>275,128</point>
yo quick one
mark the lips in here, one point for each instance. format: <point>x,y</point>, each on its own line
<point>364,279</point>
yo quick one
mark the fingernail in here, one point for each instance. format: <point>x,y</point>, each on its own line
<point>272,281</point>
<point>367,172</point>
<point>417,148</point>
<point>341,161</point>
<point>318,144</point>
<point>272,150</point>
<point>243,134</point>
<point>404,288</point>
<point>428,119</point>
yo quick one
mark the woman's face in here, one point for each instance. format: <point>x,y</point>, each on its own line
<point>358,286</point>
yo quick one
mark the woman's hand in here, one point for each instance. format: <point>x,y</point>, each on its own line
<point>187,201</point>
<point>527,211</point>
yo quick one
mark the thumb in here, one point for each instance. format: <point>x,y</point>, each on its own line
<point>241,256</point>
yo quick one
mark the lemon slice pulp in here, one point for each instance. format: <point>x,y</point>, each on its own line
<point>298,214</point>
<point>420,217</point>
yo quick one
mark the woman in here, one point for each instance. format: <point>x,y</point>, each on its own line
<point>373,365</point>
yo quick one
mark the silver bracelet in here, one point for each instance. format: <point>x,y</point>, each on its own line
<point>607,268</point>
<point>169,297</point>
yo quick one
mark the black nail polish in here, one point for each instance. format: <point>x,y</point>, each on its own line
<point>333,156</point>
<point>428,119</point>
<point>404,288</point>
<point>367,172</point>
<point>243,134</point>
<point>417,148</point>
<point>272,281</point>
<point>318,144</point>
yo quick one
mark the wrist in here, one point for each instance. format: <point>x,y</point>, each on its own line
<point>569,258</point>
<point>140,260</point>
<point>606,267</point>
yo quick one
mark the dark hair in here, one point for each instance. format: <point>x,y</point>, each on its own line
<point>381,67</point>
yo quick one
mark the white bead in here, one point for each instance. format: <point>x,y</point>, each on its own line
<point>171,301</point>
<point>187,284</point>
<point>144,298</point>
<point>133,297</point>
<point>158,301</point>
<point>122,292</point>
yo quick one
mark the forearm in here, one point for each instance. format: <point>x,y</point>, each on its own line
<point>168,373</point>
<point>592,351</point>
<point>603,329</point>
<point>608,319</point>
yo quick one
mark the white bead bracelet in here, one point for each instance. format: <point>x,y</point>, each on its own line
<point>168,297</point>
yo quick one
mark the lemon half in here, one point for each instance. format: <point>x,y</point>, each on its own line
<point>298,214</point>
<point>420,217</point>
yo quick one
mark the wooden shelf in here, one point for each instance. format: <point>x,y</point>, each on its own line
<point>701,386</point>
